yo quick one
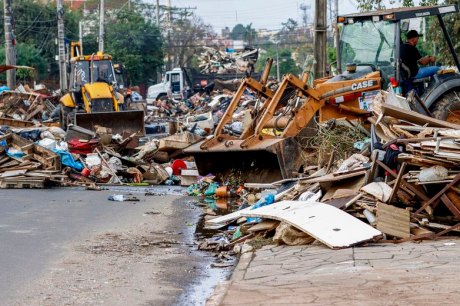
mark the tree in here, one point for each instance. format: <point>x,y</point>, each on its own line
<point>246,33</point>
<point>136,43</point>
<point>370,5</point>
<point>28,55</point>
<point>187,37</point>
<point>238,32</point>
<point>289,26</point>
<point>287,63</point>
<point>250,34</point>
<point>36,27</point>
<point>290,33</point>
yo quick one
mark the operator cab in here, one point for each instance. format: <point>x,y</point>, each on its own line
<point>373,40</point>
<point>91,69</point>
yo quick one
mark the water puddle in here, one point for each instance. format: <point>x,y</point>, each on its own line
<point>202,288</point>
<point>220,207</point>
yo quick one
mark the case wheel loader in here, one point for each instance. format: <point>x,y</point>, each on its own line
<point>267,149</point>
<point>93,99</point>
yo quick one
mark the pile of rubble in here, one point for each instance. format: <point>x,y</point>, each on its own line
<point>216,61</point>
<point>200,113</point>
<point>27,105</point>
<point>405,188</point>
<point>81,157</point>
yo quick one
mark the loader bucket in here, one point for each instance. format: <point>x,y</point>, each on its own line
<point>269,161</point>
<point>127,121</point>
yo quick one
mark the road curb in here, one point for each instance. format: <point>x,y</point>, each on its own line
<point>221,289</point>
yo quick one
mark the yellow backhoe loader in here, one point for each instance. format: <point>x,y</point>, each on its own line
<point>93,99</point>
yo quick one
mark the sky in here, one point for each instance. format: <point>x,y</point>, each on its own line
<point>268,14</point>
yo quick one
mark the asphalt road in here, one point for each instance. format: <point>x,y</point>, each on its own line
<point>38,227</point>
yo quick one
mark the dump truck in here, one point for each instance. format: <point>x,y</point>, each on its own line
<point>180,81</point>
<point>267,150</point>
<point>93,98</point>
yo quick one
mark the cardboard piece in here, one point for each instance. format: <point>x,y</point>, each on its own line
<point>393,221</point>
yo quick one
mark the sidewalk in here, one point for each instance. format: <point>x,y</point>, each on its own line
<point>379,274</point>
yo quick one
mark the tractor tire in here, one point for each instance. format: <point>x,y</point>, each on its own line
<point>67,116</point>
<point>162,97</point>
<point>447,108</point>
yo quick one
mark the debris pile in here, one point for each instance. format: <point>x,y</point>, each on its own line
<point>201,112</point>
<point>27,105</point>
<point>80,157</point>
<point>216,61</point>
<point>405,188</point>
<point>24,164</point>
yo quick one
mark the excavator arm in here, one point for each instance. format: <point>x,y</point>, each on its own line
<point>263,157</point>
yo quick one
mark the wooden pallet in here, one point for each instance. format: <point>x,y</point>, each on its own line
<point>48,159</point>
<point>22,184</point>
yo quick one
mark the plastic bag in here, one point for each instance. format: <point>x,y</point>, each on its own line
<point>93,160</point>
<point>211,190</point>
<point>116,198</point>
<point>68,160</point>
<point>15,153</point>
<point>269,199</point>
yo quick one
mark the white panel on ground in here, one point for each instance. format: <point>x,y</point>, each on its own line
<point>333,227</point>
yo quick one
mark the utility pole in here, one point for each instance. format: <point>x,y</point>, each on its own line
<point>320,40</point>
<point>10,42</point>
<point>337,36</point>
<point>101,26</point>
<point>169,25</point>
<point>80,35</point>
<point>61,46</point>
<point>158,13</point>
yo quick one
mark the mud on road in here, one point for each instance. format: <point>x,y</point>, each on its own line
<point>151,260</point>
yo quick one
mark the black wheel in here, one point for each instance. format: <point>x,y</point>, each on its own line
<point>67,116</point>
<point>162,97</point>
<point>447,108</point>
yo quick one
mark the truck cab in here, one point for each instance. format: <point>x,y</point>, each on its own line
<point>173,85</point>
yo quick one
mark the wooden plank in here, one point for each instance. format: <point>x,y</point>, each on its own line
<point>393,221</point>
<point>259,186</point>
<point>333,227</point>
<point>332,178</point>
<point>340,202</point>
<point>17,184</point>
<point>422,161</point>
<point>374,158</point>
<point>417,118</point>
<point>449,229</point>
<point>454,210</point>
<point>266,225</point>
<point>397,183</point>
<point>11,173</point>
<point>16,123</point>
<point>438,195</point>
<point>453,196</point>
<point>417,140</point>
<point>405,185</point>
<point>35,112</point>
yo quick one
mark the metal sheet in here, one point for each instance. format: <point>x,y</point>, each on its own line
<point>120,122</point>
<point>269,161</point>
<point>333,227</point>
